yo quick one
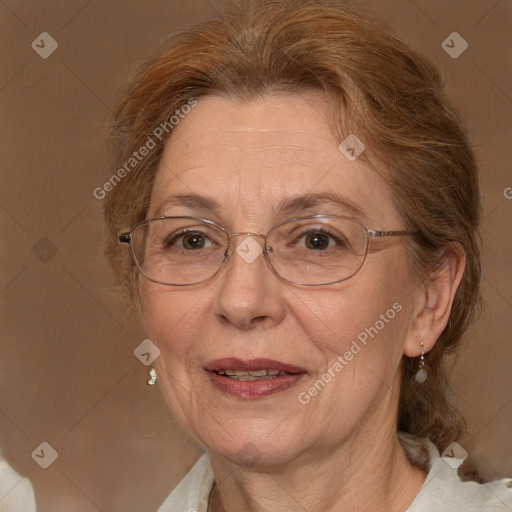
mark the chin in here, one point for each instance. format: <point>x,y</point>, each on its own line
<point>256,451</point>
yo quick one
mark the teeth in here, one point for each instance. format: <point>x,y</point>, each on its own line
<point>250,375</point>
<point>258,373</point>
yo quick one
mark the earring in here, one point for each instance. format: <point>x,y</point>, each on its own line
<point>421,374</point>
<point>152,381</point>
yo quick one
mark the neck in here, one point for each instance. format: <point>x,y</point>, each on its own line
<point>384,481</point>
<point>368,471</point>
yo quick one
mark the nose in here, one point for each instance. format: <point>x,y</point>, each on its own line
<point>250,293</point>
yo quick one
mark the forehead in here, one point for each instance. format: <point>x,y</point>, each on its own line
<point>253,156</point>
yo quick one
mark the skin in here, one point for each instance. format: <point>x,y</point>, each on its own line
<point>340,451</point>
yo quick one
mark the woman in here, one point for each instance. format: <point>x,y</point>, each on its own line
<point>301,206</point>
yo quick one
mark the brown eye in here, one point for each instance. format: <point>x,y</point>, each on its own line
<point>190,241</point>
<point>317,241</point>
<point>193,241</point>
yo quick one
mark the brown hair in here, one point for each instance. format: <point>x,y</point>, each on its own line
<point>378,89</point>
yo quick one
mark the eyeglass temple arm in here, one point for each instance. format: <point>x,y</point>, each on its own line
<point>372,232</point>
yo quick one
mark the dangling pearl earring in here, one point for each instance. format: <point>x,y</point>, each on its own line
<point>153,379</point>
<point>421,374</point>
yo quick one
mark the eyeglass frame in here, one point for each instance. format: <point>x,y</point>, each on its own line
<point>126,238</point>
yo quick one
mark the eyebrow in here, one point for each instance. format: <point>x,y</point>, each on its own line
<point>192,201</point>
<point>290,206</point>
<point>315,201</point>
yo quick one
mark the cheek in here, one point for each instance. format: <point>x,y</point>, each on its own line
<point>364,317</point>
<point>172,317</point>
<point>173,320</point>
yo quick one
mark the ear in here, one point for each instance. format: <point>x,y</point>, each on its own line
<point>434,300</point>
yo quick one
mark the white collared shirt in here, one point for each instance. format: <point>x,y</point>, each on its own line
<point>442,491</point>
<point>16,493</point>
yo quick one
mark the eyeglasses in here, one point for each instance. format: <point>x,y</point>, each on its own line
<point>312,251</point>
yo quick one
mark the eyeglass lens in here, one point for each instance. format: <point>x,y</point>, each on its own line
<point>312,251</point>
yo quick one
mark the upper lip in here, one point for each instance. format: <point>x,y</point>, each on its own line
<point>234,363</point>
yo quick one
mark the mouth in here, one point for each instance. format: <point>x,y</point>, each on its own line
<point>252,375</point>
<point>254,378</point>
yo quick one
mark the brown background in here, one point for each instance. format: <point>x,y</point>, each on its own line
<point>68,375</point>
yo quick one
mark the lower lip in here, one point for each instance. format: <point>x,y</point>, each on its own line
<point>255,388</point>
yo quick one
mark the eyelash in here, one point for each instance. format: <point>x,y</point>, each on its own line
<point>323,231</point>
<point>175,236</point>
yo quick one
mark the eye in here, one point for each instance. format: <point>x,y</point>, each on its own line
<point>320,240</point>
<point>190,241</point>
<point>317,241</point>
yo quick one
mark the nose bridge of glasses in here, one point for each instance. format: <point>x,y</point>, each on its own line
<point>247,249</point>
<point>246,234</point>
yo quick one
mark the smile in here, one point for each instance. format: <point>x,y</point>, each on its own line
<point>254,378</point>
<point>251,375</point>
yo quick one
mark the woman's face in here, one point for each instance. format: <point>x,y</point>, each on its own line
<point>346,340</point>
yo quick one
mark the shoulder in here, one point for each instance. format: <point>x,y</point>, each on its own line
<point>444,491</point>
<point>16,493</point>
<point>192,493</point>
